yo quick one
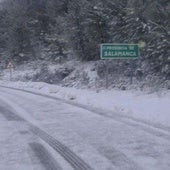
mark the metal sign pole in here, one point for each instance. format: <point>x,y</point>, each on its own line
<point>131,73</point>
<point>10,66</point>
<point>107,74</point>
<point>10,70</point>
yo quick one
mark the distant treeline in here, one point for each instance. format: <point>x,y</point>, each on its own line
<point>60,29</point>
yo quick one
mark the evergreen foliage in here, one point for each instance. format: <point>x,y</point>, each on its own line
<point>54,30</point>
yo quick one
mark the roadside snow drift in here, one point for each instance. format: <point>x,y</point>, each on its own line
<point>147,107</point>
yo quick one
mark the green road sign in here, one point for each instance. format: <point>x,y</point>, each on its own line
<point>119,51</point>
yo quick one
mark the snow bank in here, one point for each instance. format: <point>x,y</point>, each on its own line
<point>148,107</point>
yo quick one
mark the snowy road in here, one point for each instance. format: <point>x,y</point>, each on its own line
<point>40,133</point>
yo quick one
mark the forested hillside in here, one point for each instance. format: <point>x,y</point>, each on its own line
<point>62,30</point>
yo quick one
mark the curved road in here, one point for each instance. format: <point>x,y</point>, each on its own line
<point>41,133</point>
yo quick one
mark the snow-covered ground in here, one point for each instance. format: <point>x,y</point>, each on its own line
<point>151,108</point>
<point>102,142</point>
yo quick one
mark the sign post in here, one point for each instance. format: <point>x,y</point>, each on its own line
<point>10,66</point>
<point>107,74</point>
<point>119,51</point>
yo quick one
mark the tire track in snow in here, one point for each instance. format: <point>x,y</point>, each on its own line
<point>75,161</point>
<point>44,156</point>
<point>151,128</point>
<point>119,159</point>
<point>5,110</point>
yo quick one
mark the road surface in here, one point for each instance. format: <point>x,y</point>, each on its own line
<point>41,133</point>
